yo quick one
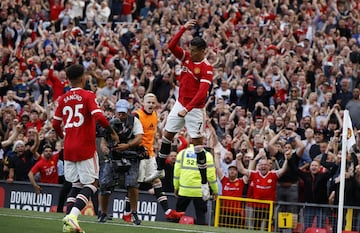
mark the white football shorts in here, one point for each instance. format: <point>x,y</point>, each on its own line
<point>87,171</point>
<point>193,121</point>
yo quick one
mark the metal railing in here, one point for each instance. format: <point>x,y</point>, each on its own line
<point>286,217</point>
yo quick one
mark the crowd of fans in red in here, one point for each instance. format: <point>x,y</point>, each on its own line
<point>284,71</point>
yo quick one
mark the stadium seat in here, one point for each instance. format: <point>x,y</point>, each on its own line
<point>315,230</point>
<point>186,220</point>
<point>299,228</point>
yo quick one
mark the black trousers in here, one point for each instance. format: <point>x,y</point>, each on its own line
<point>199,204</point>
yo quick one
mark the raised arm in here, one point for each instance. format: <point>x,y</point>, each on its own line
<point>173,44</point>
<point>283,169</point>
<point>217,158</point>
<point>34,148</point>
<point>12,137</point>
<point>271,146</point>
<point>240,165</point>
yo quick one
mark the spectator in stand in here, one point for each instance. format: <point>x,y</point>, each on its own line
<point>65,16</point>
<point>35,121</point>
<point>308,142</point>
<point>315,189</point>
<point>237,96</point>
<point>8,114</point>
<point>280,93</point>
<point>22,90</point>
<point>57,81</point>
<point>296,101</point>
<point>56,7</point>
<point>162,86</point>
<point>315,148</point>
<point>147,77</point>
<point>139,93</point>
<point>223,91</point>
<point>288,184</point>
<point>91,11</point>
<point>77,10</point>
<point>231,186</point>
<point>115,7</point>
<point>128,8</point>
<point>41,89</point>
<point>258,95</point>
<point>354,108</point>
<point>342,95</point>
<point>103,13</point>
<point>122,92</point>
<point>10,101</point>
<point>47,167</point>
<point>307,43</point>
<point>144,11</point>
<point>109,89</point>
<point>4,148</point>
<point>264,185</point>
<point>21,163</point>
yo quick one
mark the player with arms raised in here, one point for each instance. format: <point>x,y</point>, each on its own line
<point>195,80</point>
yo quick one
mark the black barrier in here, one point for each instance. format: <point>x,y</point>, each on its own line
<point>21,195</point>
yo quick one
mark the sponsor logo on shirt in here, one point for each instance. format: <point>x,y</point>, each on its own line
<point>227,188</point>
<point>196,70</point>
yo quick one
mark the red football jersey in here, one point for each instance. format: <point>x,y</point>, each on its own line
<point>78,111</point>
<point>195,78</point>
<point>264,187</point>
<point>48,169</point>
<point>127,7</point>
<point>233,189</point>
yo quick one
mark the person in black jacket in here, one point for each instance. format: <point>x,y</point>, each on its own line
<point>259,94</point>
<point>315,189</point>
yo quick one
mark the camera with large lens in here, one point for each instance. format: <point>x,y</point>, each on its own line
<point>122,165</point>
<point>116,124</point>
<point>122,160</point>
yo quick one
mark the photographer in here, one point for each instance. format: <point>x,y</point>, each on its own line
<point>123,158</point>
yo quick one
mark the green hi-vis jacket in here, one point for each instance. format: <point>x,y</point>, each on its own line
<point>187,177</point>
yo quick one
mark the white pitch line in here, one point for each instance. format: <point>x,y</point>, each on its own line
<point>114,224</point>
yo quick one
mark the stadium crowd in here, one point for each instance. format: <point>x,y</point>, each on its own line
<point>283,73</point>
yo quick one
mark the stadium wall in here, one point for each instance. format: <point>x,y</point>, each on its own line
<point>21,195</point>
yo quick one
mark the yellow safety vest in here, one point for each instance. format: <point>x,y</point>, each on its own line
<point>187,178</point>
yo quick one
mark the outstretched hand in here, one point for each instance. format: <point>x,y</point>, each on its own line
<point>189,24</point>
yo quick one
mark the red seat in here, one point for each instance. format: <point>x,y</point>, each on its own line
<point>186,220</point>
<point>315,230</point>
<point>299,228</point>
<point>350,232</point>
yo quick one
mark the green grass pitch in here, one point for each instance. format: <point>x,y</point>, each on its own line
<point>21,221</point>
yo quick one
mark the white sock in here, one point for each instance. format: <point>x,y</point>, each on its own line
<point>75,211</point>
